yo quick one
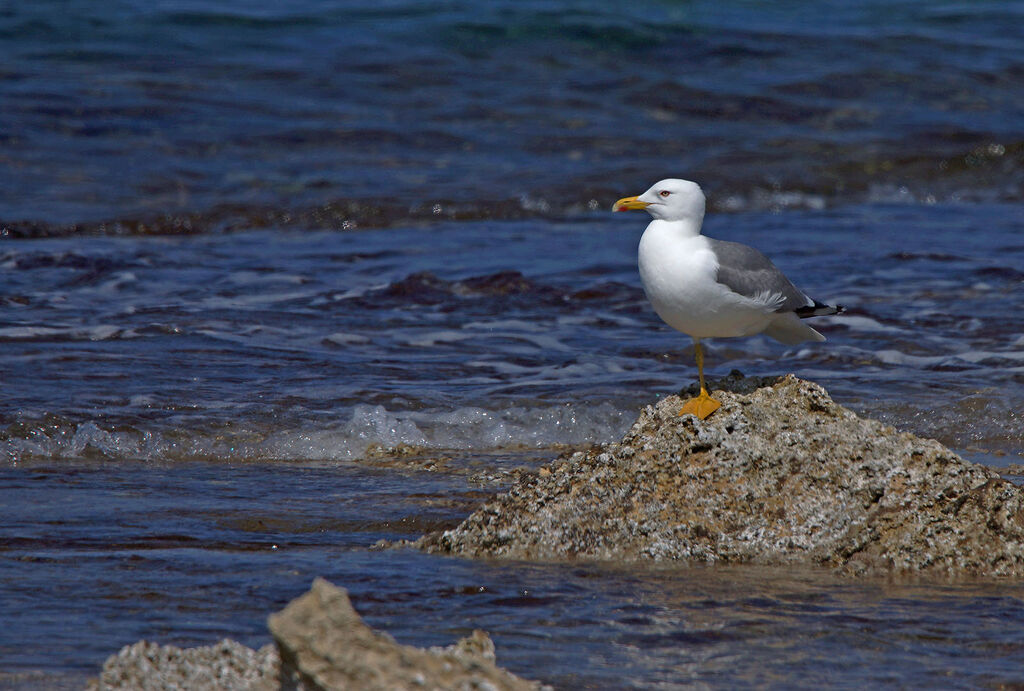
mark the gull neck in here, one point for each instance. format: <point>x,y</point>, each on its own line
<point>687,228</point>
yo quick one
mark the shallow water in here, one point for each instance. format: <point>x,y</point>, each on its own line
<point>314,345</point>
<point>189,553</point>
<point>280,283</point>
<point>162,424</point>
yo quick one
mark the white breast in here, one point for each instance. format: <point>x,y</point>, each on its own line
<point>678,269</point>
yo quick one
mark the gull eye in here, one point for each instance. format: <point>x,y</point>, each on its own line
<point>664,193</point>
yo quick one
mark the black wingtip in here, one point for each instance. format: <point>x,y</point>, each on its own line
<point>819,309</point>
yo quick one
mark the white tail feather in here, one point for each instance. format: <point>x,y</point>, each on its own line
<point>787,328</point>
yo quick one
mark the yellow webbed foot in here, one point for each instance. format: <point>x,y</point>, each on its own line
<point>702,406</point>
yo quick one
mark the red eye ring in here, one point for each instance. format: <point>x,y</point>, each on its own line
<point>664,193</point>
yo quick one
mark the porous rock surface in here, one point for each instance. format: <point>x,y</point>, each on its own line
<point>325,645</point>
<point>146,666</point>
<point>779,474</point>
<point>321,645</point>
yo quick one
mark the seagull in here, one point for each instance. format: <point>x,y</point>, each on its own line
<point>709,288</point>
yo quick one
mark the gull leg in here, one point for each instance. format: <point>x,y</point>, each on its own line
<point>703,405</point>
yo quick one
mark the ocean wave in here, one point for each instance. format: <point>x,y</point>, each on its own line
<point>369,427</point>
<point>370,116</point>
<point>925,178</point>
<point>96,332</point>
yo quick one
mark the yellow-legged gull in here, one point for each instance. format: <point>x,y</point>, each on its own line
<point>710,288</point>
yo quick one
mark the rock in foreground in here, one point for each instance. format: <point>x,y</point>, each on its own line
<point>780,474</point>
<point>322,645</point>
<point>147,666</point>
<point>325,645</point>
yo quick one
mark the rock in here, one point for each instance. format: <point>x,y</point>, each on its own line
<point>779,474</point>
<point>325,645</point>
<point>322,645</point>
<point>147,666</point>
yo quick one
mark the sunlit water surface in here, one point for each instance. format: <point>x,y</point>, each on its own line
<point>281,280</point>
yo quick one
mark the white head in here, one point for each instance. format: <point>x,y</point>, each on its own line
<point>669,200</point>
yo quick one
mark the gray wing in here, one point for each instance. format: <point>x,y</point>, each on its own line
<point>746,271</point>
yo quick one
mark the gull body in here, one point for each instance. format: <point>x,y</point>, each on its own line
<point>679,271</point>
<point>709,288</point>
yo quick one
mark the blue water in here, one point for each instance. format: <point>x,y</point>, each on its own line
<point>280,282</point>
<point>243,112</point>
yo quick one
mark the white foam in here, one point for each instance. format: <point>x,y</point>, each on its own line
<point>896,357</point>
<point>28,333</point>
<point>375,425</point>
<point>479,428</point>
<point>467,428</point>
<point>860,323</point>
<point>102,332</point>
<point>980,356</point>
<point>341,338</point>
<point>99,332</point>
<point>438,337</point>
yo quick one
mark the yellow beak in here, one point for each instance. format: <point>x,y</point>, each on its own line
<point>629,204</point>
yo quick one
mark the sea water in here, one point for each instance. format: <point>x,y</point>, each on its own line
<point>280,282</point>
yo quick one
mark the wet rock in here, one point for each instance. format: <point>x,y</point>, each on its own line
<point>325,645</point>
<point>322,645</point>
<point>147,666</point>
<point>779,474</point>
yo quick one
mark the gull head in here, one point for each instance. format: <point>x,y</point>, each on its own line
<point>668,200</point>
